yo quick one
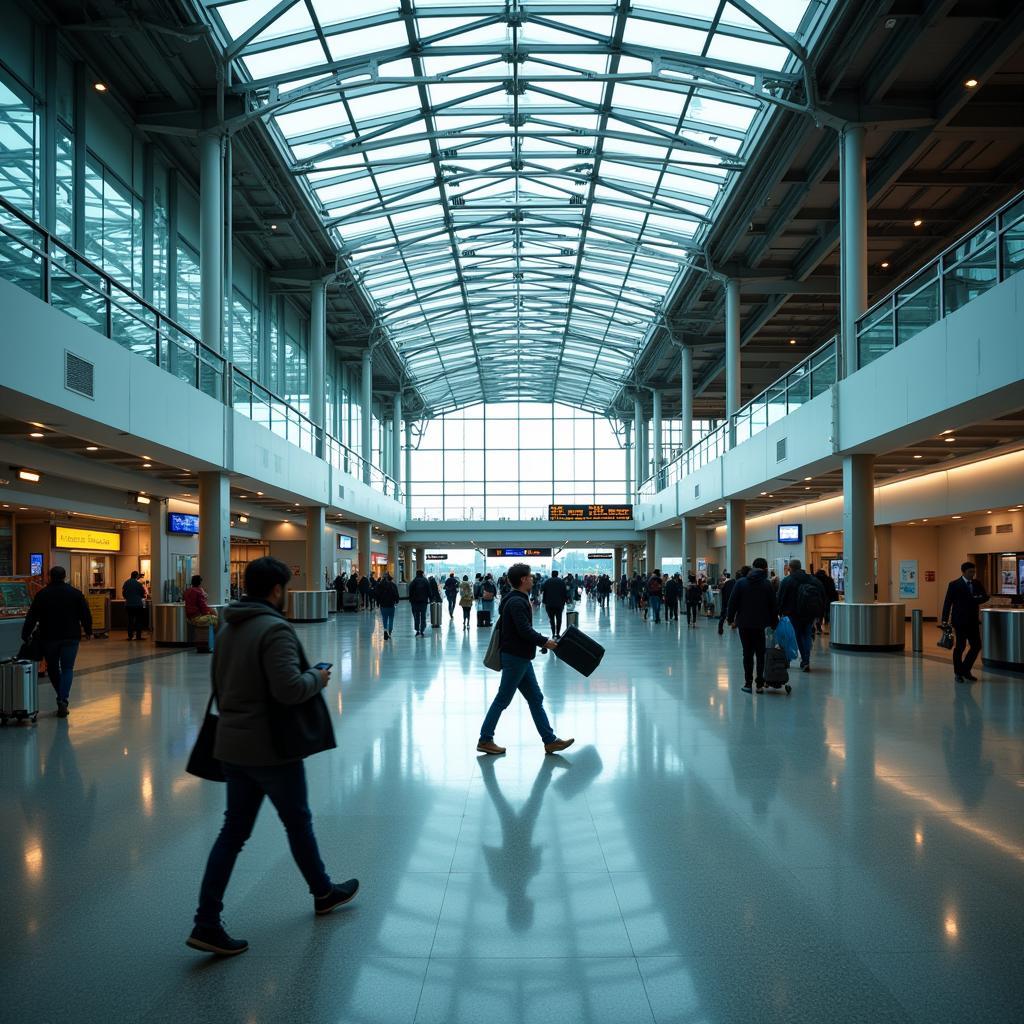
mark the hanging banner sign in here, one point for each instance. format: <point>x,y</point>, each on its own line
<point>519,552</point>
<point>435,557</point>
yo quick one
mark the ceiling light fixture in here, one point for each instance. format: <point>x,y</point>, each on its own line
<point>142,499</point>
<point>792,341</point>
<point>918,456</point>
<point>918,222</point>
<point>273,227</point>
<point>885,264</point>
<point>259,494</point>
<point>29,475</point>
<point>92,448</point>
<point>807,478</point>
<point>147,465</point>
<point>971,83</point>
<point>35,433</point>
<point>100,86</point>
<point>945,432</point>
<point>243,519</point>
<point>958,517</point>
<point>950,440</point>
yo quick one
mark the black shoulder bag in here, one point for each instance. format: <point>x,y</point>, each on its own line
<point>201,761</point>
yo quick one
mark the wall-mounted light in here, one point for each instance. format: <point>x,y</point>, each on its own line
<point>243,519</point>
<point>142,499</point>
<point>29,476</point>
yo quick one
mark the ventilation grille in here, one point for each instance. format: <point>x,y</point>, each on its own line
<point>1004,528</point>
<point>982,531</point>
<point>780,450</point>
<point>696,490</point>
<point>78,375</point>
<point>341,490</point>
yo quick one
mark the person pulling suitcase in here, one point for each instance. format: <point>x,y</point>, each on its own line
<point>518,643</point>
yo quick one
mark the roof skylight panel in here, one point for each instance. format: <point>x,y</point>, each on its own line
<point>296,57</point>
<point>661,36</point>
<point>366,41</point>
<point>328,115</point>
<point>746,51</point>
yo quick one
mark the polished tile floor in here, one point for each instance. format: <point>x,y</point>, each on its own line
<point>854,852</point>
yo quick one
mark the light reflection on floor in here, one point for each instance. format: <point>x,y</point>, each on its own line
<point>852,852</point>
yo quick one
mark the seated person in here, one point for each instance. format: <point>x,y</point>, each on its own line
<point>197,611</point>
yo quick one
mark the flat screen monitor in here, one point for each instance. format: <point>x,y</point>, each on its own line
<point>182,522</point>
<point>344,542</point>
<point>790,533</point>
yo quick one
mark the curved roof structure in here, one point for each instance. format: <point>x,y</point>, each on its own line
<point>518,187</point>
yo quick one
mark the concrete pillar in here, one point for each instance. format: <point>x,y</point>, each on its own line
<point>733,371</point>
<point>393,555</point>
<point>318,360</point>
<point>316,565</point>
<point>686,395</point>
<point>366,382</point>
<point>657,452</point>
<point>215,536</point>
<point>883,568</point>
<point>617,564</point>
<point>859,527</point>
<point>211,241</point>
<point>735,534</point>
<point>628,447</point>
<point>421,559</point>
<point>853,246</point>
<point>639,456</point>
<point>689,545</point>
<point>652,551</point>
<point>159,562</point>
<point>396,438</point>
<point>364,542</point>
<point>408,469</point>
<point>644,442</point>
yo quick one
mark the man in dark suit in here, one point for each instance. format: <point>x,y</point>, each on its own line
<point>964,596</point>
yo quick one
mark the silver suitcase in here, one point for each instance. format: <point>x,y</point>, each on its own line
<point>572,619</point>
<point>435,615</point>
<point>19,690</point>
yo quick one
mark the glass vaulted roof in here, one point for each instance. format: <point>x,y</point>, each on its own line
<point>515,187</point>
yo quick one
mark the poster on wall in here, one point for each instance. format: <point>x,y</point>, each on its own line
<point>908,577</point>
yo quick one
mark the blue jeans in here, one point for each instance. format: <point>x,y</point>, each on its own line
<point>60,666</point>
<point>387,618</point>
<point>419,617</point>
<point>517,674</point>
<point>285,784</point>
<point>804,638</point>
<point>656,607</point>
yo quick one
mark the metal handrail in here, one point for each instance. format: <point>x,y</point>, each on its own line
<point>172,347</point>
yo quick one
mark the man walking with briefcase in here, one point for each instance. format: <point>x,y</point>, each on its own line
<point>518,643</point>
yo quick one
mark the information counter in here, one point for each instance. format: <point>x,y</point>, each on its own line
<point>1002,638</point>
<point>867,627</point>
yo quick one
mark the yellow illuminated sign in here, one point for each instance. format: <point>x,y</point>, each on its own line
<point>74,539</point>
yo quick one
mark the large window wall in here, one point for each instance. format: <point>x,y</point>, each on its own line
<point>510,460</point>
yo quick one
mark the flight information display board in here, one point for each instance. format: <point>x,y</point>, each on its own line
<point>590,513</point>
<point>519,552</point>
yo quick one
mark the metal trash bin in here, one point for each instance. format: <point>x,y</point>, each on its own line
<point>307,606</point>
<point>170,628</point>
<point>435,615</point>
<point>332,601</point>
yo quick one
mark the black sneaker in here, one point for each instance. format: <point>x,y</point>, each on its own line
<point>214,939</point>
<point>62,709</point>
<point>339,895</point>
<point>747,689</point>
<point>970,678</point>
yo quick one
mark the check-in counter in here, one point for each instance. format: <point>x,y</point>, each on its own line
<point>1002,638</point>
<point>879,626</point>
<point>307,606</point>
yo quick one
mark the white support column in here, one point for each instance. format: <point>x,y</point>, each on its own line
<point>159,562</point>
<point>215,535</point>
<point>657,454</point>
<point>408,469</point>
<point>688,525</point>
<point>735,534</point>
<point>318,361</point>
<point>211,241</point>
<point>733,367</point>
<point>686,395</point>
<point>853,251</point>
<point>639,456</point>
<point>316,565</point>
<point>364,542</point>
<point>421,558</point>
<point>396,438</point>
<point>652,551</point>
<point>393,555</point>
<point>628,448</point>
<point>366,408</point>
<point>859,528</point>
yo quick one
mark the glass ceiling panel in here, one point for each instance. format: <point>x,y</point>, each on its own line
<point>527,242</point>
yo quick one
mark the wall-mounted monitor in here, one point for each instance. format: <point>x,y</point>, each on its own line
<point>790,533</point>
<point>344,542</point>
<point>182,523</point>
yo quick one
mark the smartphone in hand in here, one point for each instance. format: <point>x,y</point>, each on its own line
<point>324,666</point>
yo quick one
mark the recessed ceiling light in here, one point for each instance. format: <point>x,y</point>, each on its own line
<point>99,86</point>
<point>763,493</point>
<point>792,341</point>
<point>885,264</point>
<point>958,517</point>
<point>971,83</point>
<point>243,519</point>
<point>924,520</point>
<point>989,512</point>
<point>259,493</point>
<point>807,478</point>
<point>807,488</point>
<point>35,433</point>
<point>29,475</point>
<point>243,496</point>
<point>142,499</point>
<point>918,456</point>
<point>92,448</point>
<point>40,426</point>
<point>273,227</point>
<point>918,222</point>
<point>945,432</point>
<point>950,440</point>
<point>147,465</point>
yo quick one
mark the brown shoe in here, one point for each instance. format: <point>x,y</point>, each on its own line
<point>489,747</point>
<point>557,745</point>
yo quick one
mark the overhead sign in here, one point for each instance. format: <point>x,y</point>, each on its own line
<point>599,554</point>
<point>519,552</point>
<point>69,538</point>
<point>379,559</point>
<point>344,542</point>
<point>435,557</point>
<point>182,522</point>
<point>790,533</point>
<point>590,513</point>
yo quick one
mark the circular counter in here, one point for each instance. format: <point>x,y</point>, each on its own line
<point>1002,638</point>
<point>307,606</point>
<point>867,627</point>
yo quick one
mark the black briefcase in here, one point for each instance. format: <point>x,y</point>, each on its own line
<point>579,651</point>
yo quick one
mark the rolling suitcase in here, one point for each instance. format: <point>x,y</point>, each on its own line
<point>483,620</point>
<point>350,602</point>
<point>776,669</point>
<point>579,651</point>
<point>435,615</point>
<point>19,690</point>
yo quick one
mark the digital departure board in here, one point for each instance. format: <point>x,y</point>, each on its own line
<point>519,552</point>
<point>590,513</point>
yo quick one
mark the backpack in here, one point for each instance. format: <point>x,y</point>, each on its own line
<point>810,604</point>
<point>478,590</point>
